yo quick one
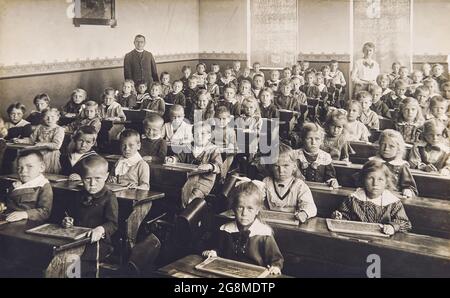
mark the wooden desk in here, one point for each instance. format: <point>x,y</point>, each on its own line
<point>428,216</point>
<point>429,185</point>
<point>37,255</point>
<point>402,255</point>
<point>134,205</point>
<point>185,268</point>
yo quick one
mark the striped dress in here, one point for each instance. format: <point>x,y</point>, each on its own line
<point>386,209</point>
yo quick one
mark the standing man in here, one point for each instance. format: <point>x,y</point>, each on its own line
<point>139,65</point>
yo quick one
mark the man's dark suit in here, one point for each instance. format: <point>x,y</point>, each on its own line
<point>140,67</point>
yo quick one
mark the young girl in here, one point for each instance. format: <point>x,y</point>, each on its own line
<point>426,69</point>
<point>245,76</point>
<point>368,117</point>
<point>314,163</point>
<point>356,130</point>
<point>227,79</point>
<point>438,74</point>
<point>177,131</point>
<point>166,87</point>
<point>142,94</point>
<point>112,111</point>
<point>251,117</point>
<point>310,88</point>
<point>245,91</point>
<point>378,106</point>
<point>75,104</point>
<point>374,201</point>
<point>190,94</point>
<point>83,142</point>
<point>200,75</point>
<point>230,101</point>
<point>266,104</point>
<point>384,82</point>
<point>417,77</point>
<point>204,154</point>
<point>17,126</point>
<point>410,120</point>
<point>212,87</point>
<point>434,156</point>
<point>248,239</point>
<point>257,70</point>
<point>391,152</point>
<point>403,74</point>
<point>50,136</point>
<point>285,189</point>
<point>156,102</point>
<point>41,102</point>
<point>88,117</point>
<point>274,80</point>
<point>432,86</point>
<point>203,109</point>
<point>127,98</point>
<point>335,141</point>
<point>131,170</point>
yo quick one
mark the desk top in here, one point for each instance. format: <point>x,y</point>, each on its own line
<point>185,268</point>
<point>17,230</point>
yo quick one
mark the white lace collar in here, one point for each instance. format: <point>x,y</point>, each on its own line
<point>385,199</point>
<point>323,158</point>
<point>256,229</point>
<point>39,181</point>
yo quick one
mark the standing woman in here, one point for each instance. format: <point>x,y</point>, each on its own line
<point>365,70</point>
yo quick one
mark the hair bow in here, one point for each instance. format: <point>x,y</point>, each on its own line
<point>261,186</point>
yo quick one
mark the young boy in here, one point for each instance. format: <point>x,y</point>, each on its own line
<point>82,142</point>
<point>191,94</point>
<point>438,109</point>
<point>438,74</point>
<point>204,154</point>
<point>237,69</point>
<point>310,88</point>
<point>422,94</point>
<point>131,169</point>
<point>224,135</point>
<point>96,207</point>
<point>245,76</point>
<point>41,102</point>
<point>166,87</point>
<point>378,106</point>
<point>417,77</point>
<point>142,94</point>
<point>230,101</point>
<point>368,117</point>
<point>154,147</point>
<point>257,70</point>
<point>31,197</point>
<point>177,131</point>
<point>176,96</point>
<point>186,70</point>
<point>298,95</point>
<point>393,100</point>
<point>88,117</point>
<point>156,102</point>
<point>274,80</point>
<point>216,69</point>
<point>258,84</point>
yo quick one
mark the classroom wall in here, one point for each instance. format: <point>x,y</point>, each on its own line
<point>223,26</point>
<point>38,37</point>
<point>37,31</point>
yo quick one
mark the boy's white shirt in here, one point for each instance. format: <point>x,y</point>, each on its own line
<point>386,198</point>
<point>124,164</point>
<point>39,181</point>
<point>75,157</point>
<point>257,228</point>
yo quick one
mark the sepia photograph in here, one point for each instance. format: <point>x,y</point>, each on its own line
<point>173,139</point>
